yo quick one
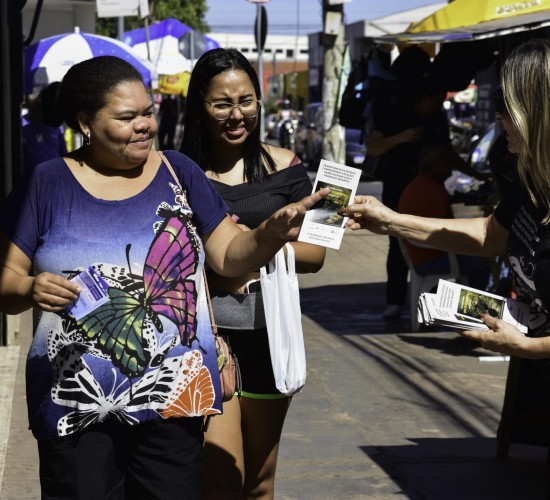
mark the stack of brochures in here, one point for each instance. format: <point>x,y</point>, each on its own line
<point>459,306</point>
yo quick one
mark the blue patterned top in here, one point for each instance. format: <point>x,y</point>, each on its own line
<point>149,352</point>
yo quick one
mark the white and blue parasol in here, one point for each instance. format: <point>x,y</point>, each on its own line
<point>162,45</point>
<point>49,59</point>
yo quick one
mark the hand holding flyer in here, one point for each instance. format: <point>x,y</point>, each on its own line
<point>459,306</point>
<point>323,225</point>
<point>93,293</point>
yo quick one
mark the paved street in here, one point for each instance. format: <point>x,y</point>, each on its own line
<point>389,414</point>
<point>385,413</point>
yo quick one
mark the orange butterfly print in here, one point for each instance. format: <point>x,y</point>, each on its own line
<point>194,394</point>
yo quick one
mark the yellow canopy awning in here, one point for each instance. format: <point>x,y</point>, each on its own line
<point>463,13</point>
<point>464,20</point>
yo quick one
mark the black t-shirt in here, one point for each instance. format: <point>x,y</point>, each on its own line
<point>391,117</point>
<point>528,253</point>
<point>254,202</point>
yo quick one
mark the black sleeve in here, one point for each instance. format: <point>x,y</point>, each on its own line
<point>509,205</point>
<point>541,277</point>
<point>301,185</point>
<point>382,113</point>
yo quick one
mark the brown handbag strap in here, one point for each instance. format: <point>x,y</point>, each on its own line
<point>210,310</point>
<point>170,168</point>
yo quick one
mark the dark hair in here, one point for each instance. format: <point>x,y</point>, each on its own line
<point>412,64</point>
<point>417,75</point>
<point>435,154</point>
<point>85,87</point>
<point>196,141</point>
<point>47,101</point>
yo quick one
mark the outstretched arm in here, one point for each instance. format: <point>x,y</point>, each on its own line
<point>233,252</point>
<point>478,236</point>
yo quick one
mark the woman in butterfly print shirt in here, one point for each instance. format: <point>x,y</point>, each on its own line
<point>106,389</point>
<point>222,135</point>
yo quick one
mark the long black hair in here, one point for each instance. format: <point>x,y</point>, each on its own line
<point>196,140</point>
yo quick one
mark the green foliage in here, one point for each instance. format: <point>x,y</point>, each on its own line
<point>189,12</point>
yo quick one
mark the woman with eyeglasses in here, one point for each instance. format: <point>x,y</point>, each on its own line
<point>222,135</point>
<point>519,226</point>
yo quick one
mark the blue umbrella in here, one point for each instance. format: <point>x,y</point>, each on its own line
<point>49,59</point>
<point>164,49</point>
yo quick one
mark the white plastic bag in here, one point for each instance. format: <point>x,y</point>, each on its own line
<point>281,298</point>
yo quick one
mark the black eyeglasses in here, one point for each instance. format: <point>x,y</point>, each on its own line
<point>498,100</point>
<point>223,110</point>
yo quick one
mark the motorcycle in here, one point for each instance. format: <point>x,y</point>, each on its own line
<point>464,134</point>
<point>287,133</point>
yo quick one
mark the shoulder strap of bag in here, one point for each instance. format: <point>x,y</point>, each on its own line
<point>210,311</point>
<point>170,168</point>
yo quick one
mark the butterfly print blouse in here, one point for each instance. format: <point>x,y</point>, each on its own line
<point>148,353</point>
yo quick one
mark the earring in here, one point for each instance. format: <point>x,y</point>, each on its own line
<point>87,139</point>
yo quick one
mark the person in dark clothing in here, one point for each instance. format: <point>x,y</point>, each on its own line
<point>41,141</point>
<point>406,117</point>
<point>168,119</point>
<point>518,228</point>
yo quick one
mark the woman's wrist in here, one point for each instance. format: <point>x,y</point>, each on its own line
<point>533,347</point>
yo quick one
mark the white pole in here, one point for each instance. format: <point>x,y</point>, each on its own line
<point>260,65</point>
<point>121,28</point>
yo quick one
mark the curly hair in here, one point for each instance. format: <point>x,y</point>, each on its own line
<point>85,88</point>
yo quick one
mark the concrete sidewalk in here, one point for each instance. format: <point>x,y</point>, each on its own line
<point>384,414</point>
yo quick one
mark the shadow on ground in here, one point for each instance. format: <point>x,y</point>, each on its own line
<point>459,469</point>
<point>349,309</point>
<point>428,468</point>
<point>357,310</point>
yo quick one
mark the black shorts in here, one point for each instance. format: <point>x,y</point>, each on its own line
<point>155,459</point>
<point>252,350</point>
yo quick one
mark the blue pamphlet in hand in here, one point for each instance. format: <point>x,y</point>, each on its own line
<point>93,293</point>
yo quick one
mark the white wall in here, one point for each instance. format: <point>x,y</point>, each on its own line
<point>57,18</point>
<point>281,45</point>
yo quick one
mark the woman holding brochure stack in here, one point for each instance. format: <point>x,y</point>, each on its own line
<point>222,135</point>
<point>116,397</point>
<point>520,224</point>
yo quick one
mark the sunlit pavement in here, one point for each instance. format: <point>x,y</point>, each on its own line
<point>386,413</point>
